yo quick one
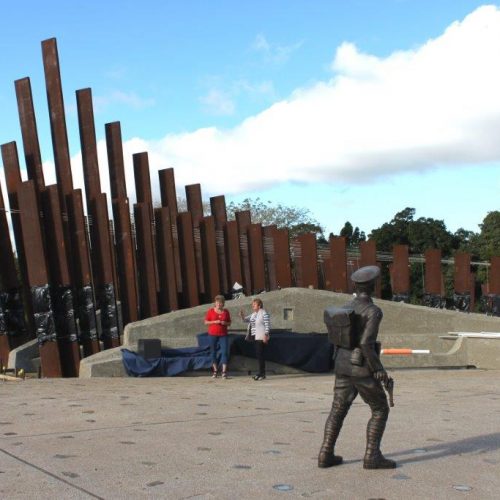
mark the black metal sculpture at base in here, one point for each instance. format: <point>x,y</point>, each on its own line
<point>354,329</point>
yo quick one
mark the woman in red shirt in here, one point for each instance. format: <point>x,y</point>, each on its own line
<point>218,319</point>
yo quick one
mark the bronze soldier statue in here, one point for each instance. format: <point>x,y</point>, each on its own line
<point>354,329</point>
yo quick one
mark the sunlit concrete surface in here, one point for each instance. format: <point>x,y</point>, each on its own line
<point>194,437</point>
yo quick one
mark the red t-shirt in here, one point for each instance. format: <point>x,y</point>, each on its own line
<point>215,329</point>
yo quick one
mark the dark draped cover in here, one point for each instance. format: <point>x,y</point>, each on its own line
<point>310,352</point>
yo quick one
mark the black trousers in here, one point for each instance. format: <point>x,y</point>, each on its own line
<point>259,353</point>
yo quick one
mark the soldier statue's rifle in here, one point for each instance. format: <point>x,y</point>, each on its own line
<point>389,387</point>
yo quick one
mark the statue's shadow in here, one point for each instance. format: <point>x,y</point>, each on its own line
<point>475,445</point>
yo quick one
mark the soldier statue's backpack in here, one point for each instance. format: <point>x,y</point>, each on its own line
<point>339,322</point>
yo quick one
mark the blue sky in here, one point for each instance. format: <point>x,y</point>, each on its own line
<point>354,110</point>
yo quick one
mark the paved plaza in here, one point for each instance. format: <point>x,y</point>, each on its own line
<point>198,438</point>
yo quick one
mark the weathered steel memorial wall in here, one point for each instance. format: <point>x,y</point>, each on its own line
<point>66,275</point>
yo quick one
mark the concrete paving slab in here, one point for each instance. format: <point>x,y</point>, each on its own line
<point>199,438</point>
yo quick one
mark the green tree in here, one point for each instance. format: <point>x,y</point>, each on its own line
<point>353,235</point>
<point>296,219</point>
<point>487,242</point>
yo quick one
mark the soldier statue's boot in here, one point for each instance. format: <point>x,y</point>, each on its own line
<point>327,457</point>
<point>373,456</point>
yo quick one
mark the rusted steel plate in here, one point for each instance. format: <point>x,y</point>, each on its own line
<point>244,220</point>
<point>494,275</point>
<point>190,294</point>
<point>462,273</point>
<point>256,257</point>
<point>125,256</point>
<point>338,256</point>
<point>114,147</point>
<point>57,119</point>
<point>142,179</point>
<point>167,299</point>
<point>209,251</point>
<point>38,280</point>
<point>61,286</point>
<point>29,133</point>
<point>282,260</point>
<point>145,264</point>
<point>269,257</point>
<point>169,200</point>
<point>218,210</point>
<point>195,207</point>
<point>309,260</point>
<point>85,306</point>
<point>368,251</point>
<point>400,270</point>
<point>89,144</point>
<point>433,274</point>
<point>232,250</point>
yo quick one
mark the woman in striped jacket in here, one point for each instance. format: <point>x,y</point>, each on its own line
<point>260,328</point>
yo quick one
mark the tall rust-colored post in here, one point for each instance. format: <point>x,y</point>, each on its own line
<point>12,326</point>
<point>400,274</point>
<point>463,283</point>
<point>209,253</point>
<point>232,251</point>
<point>126,265</point>
<point>243,219</point>
<point>167,299</point>
<point>38,280</point>
<point>256,257</point>
<point>368,251</point>
<point>308,260</point>
<point>269,257</point>
<point>195,206</point>
<point>169,200</point>
<point>338,256</point>
<point>494,277</point>
<point>433,279</point>
<point>82,275</point>
<point>147,280</point>
<point>218,210</point>
<point>29,133</point>
<point>190,295</point>
<point>61,289</point>
<point>282,261</point>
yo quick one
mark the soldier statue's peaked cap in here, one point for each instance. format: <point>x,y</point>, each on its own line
<point>365,274</point>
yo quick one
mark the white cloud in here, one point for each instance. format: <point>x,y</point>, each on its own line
<point>438,104</point>
<point>276,54</point>
<point>218,102</point>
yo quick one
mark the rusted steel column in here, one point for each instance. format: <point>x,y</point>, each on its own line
<point>368,257</point>
<point>256,257</point>
<point>57,120</point>
<point>61,289</point>
<point>145,263</point>
<point>190,297</point>
<point>232,250</point>
<point>338,256</point>
<point>494,277</point>
<point>195,206</point>
<point>29,132</point>
<point>400,274</point>
<point>103,276</point>
<point>218,210</point>
<point>282,261</point>
<point>309,260</point>
<point>123,230</point>
<point>209,252</point>
<point>12,325</point>
<point>169,200</point>
<point>89,144</point>
<point>167,299</point>
<point>463,281</point>
<point>82,275</point>
<point>244,220</point>
<point>269,259</point>
<point>433,273</point>
<point>13,181</point>
<point>38,280</point>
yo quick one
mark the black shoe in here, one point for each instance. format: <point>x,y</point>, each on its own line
<point>328,460</point>
<point>259,377</point>
<point>378,462</point>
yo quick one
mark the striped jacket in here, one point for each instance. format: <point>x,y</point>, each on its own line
<point>260,324</point>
